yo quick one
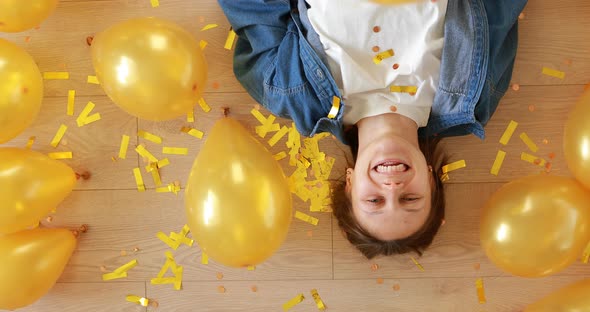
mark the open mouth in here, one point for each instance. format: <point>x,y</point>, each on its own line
<point>391,167</point>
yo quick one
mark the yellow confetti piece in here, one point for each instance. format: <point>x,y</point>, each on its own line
<point>124,146</point>
<point>81,120</point>
<point>191,131</point>
<point>293,302</point>
<point>71,100</point>
<point>190,116</point>
<point>59,135</point>
<point>182,239</point>
<point>306,218</point>
<point>203,44</point>
<point>444,177</point>
<point>30,142</point>
<point>277,136</point>
<point>137,299</point>
<point>383,55</point>
<point>93,80</point>
<point>280,156</point>
<point>60,155</point>
<point>318,300</point>
<point>403,89</point>
<point>113,275</point>
<point>156,176</point>
<point>258,115</point>
<point>160,164</point>
<point>168,241</point>
<point>251,268</point>
<point>209,26</point>
<point>229,41</point>
<point>420,267</point>
<point>586,254</point>
<point>498,162</point>
<point>335,107</point>
<point>553,73</point>
<point>143,152</point>
<point>126,267</point>
<point>481,295</point>
<point>529,143</point>
<point>163,280</point>
<point>56,75</point>
<point>268,124</point>
<point>138,179</point>
<point>175,150</point>
<point>155,3</point>
<point>204,105</point>
<point>532,159</point>
<point>92,118</point>
<point>204,258</point>
<point>508,132</point>
<point>454,166</point>
<point>150,137</point>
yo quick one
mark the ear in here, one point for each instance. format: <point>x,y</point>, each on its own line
<point>348,186</point>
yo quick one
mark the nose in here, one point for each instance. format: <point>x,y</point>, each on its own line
<point>393,183</point>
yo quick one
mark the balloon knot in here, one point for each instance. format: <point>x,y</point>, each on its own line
<point>89,40</point>
<point>225,111</point>
<point>84,175</point>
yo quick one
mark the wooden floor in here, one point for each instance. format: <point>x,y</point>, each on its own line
<point>553,34</point>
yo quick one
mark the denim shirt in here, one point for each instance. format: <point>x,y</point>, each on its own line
<point>280,61</point>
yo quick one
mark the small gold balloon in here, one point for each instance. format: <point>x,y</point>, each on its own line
<point>573,298</point>
<point>20,15</point>
<point>536,226</point>
<point>576,140</point>
<point>237,200</point>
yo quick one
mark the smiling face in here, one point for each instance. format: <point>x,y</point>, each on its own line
<point>390,188</point>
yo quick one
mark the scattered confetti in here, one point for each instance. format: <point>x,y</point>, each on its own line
<point>251,268</point>
<point>403,89</point>
<point>30,142</point>
<point>204,258</point>
<point>498,162</point>
<point>123,253</point>
<point>150,137</point>
<point>551,155</point>
<point>374,267</point>
<point>277,136</point>
<point>515,87</point>
<point>143,152</point>
<point>531,108</point>
<point>221,289</point>
<point>280,156</point>
<point>586,254</point>
<point>231,37</point>
<point>155,3</point>
<point>396,287</point>
<point>124,146</point>
<point>138,300</point>
<point>548,167</point>
<point>481,296</point>
<point>191,131</point>
<point>219,275</point>
<point>49,219</point>
<point>175,269</point>
<point>92,118</point>
<point>138,180</point>
<point>379,281</point>
<point>71,100</point>
<point>209,26</point>
<point>28,39</point>
<point>335,107</point>
<point>454,166</point>
<point>545,141</point>
<point>156,175</point>
<point>318,300</point>
<point>293,302</point>
<point>92,80</point>
<point>306,218</point>
<point>203,44</point>
<point>508,132</point>
<point>268,124</point>
<point>113,275</point>
<point>254,288</point>
<point>83,118</point>
<point>532,159</point>
<point>521,16</point>
<point>175,150</point>
<point>60,155</point>
<point>56,75</point>
<point>417,264</point>
<point>553,73</point>
<point>204,105</point>
<point>59,135</point>
<point>529,143</point>
<point>383,55</point>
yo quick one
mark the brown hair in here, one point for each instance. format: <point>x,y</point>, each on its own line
<point>366,243</point>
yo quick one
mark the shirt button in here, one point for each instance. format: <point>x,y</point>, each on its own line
<point>376,29</point>
<point>319,73</point>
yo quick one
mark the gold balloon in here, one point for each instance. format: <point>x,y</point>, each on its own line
<point>21,90</point>
<point>573,298</point>
<point>32,261</point>
<point>31,185</point>
<point>151,68</point>
<point>536,226</point>
<point>237,198</point>
<point>19,15</point>
<point>577,140</point>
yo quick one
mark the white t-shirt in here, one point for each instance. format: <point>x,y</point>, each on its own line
<point>353,32</point>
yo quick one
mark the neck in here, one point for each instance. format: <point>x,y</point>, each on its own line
<point>388,124</point>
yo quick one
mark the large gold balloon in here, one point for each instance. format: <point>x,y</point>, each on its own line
<point>536,226</point>
<point>19,15</point>
<point>237,199</point>
<point>31,262</point>
<point>151,68</point>
<point>31,185</point>
<point>21,90</point>
<point>577,140</point>
<point>573,298</point>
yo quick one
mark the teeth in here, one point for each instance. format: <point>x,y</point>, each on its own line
<point>391,168</point>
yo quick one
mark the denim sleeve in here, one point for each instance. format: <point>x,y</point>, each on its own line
<point>261,26</point>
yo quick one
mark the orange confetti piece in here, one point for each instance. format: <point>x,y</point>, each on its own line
<point>515,87</point>
<point>396,287</point>
<point>374,267</point>
<point>254,288</point>
<point>221,289</point>
<point>380,281</point>
<point>219,275</point>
